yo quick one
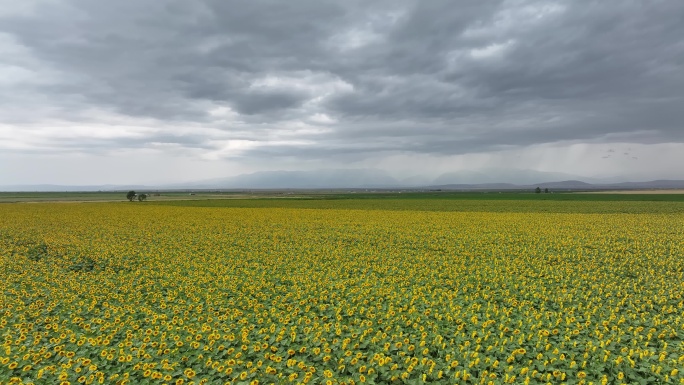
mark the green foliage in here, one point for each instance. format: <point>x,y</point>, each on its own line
<point>369,290</point>
<point>467,203</point>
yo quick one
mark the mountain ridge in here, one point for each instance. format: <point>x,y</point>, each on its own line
<point>368,178</point>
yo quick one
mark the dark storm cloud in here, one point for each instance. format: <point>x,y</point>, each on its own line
<point>437,77</point>
<point>255,103</point>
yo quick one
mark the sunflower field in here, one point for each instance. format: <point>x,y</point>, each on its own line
<point>128,293</point>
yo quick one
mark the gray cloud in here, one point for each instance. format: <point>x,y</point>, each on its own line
<point>260,102</point>
<point>315,79</point>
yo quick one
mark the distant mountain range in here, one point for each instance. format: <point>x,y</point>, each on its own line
<point>568,185</point>
<point>488,179</point>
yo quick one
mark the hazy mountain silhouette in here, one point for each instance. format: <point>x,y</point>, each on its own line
<point>339,178</point>
<point>498,175</point>
<point>484,179</point>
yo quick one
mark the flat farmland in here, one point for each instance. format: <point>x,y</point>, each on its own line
<point>343,291</point>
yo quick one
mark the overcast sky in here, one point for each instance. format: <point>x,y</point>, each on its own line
<point>152,91</point>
